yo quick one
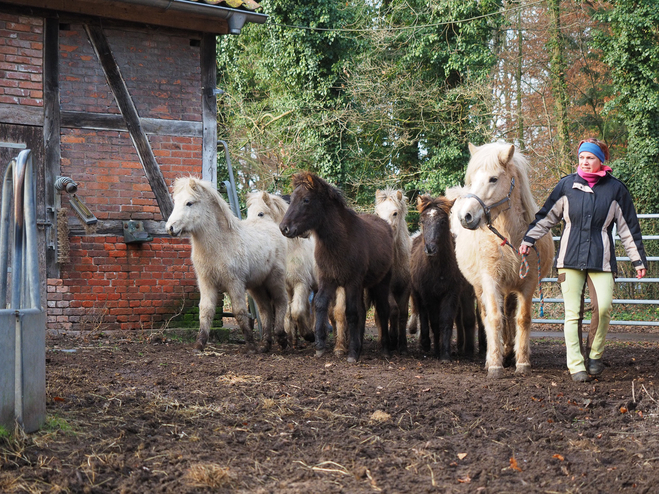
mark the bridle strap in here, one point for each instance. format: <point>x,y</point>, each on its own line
<point>524,266</point>
<point>488,209</point>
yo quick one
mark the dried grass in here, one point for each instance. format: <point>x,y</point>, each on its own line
<point>8,483</point>
<point>209,475</point>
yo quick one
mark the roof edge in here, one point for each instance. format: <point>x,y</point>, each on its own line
<point>235,18</point>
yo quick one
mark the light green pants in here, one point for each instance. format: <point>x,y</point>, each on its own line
<point>573,285</point>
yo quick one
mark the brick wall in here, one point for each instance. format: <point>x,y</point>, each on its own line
<point>108,284</point>
<point>162,73</point>
<point>21,49</point>
<point>110,176</point>
<point>112,285</point>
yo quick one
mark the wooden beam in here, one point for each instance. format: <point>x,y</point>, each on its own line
<point>207,55</point>
<point>34,116</point>
<point>51,137</point>
<point>129,112</point>
<point>21,114</point>
<point>111,121</point>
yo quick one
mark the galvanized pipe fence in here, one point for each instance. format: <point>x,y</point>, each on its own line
<point>22,319</point>
<point>618,280</point>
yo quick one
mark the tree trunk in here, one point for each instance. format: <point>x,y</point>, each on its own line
<point>518,81</point>
<point>559,88</point>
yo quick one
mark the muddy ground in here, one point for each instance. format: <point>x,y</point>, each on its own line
<point>149,415</point>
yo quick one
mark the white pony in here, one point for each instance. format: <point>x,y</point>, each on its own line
<point>231,256</point>
<point>300,266</point>
<point>391,206</point>
<point>497,195</point>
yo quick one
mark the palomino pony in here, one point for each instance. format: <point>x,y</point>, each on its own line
<point>441,294</point>
<point>391,206</point>
<point>352,251</point>
<point>300,266</point>
<point>496,203</point>
<point>231,256</point>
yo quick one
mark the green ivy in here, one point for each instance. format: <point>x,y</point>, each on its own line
<point>632,51</point>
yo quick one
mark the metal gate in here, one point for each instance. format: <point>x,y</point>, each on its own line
<point>22,319</point>
<point>650,259</point>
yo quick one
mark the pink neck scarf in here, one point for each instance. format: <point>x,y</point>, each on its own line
<point>593,178</point>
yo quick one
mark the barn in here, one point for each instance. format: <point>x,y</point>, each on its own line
<point>115,99</point>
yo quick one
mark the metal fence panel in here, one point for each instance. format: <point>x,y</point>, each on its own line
<point>7,367</point>
<point>31,380</point>
<point>23,321</point>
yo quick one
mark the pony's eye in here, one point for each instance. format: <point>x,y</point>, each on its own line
<point>306,200</point>
<point>261,214</point>
<point>493,180</point>
<point>189,203</point>
<point>395,213</point>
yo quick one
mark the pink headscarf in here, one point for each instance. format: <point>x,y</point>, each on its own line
<point>593,178</point>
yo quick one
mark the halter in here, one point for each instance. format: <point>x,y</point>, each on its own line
<point>487,209</point>
<point>524,267</point>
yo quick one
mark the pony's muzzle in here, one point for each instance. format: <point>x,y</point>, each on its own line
<point>430,250</point>
<point>469,222</point>
<point>172,231</point>
<point>290,232</point>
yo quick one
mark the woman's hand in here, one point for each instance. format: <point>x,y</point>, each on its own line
<point>641,272</point>
<point>524,249</point>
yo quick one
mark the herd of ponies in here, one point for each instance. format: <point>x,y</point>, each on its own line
<point>315,260</point>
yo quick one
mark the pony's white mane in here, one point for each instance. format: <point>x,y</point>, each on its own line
<point>200,189</point>
<point>275,204</point>
<point>392,195</point>
<point>487,157</point>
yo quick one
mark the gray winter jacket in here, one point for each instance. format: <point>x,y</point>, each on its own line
<point>588,216</point>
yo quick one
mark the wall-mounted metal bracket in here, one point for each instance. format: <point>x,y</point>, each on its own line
<point>134,232</point>
<point>66,184</point>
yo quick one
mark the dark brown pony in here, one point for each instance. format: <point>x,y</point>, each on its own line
<point>441,294</point>
<point>353,250</point>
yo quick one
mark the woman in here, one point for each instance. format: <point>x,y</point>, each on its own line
<point>589,202</point>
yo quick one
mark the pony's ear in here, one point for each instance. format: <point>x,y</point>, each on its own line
<point>399,195</point>
<point>472,149</point>
<point>303,178</point>
<point>452,193</point>
<point>265,197</point>
<point>193,184</point>
<point>506,156</point>
<point>309,182</point>
<point>445,205</point>
<point>380,196</point>
<point>422,202</point>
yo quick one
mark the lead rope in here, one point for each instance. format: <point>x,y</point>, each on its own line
<point>524,267</point>
<point>524,270</point>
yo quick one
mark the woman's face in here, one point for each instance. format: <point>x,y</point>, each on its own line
<point>589,162</point>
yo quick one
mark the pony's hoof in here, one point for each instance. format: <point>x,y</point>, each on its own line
<point>320,353</point>
<point>339,353</point>
<point>198,346</point>
<point>352,360</point>
<point>265,348</point>
<point>283,342</point>
<point>310,337</point>
<point>523,369</point>
<point>250,348</point>
<point>494,372</point>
